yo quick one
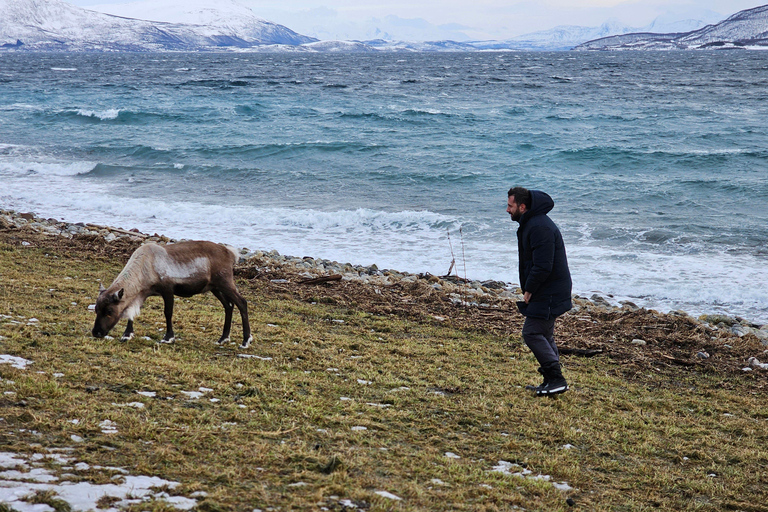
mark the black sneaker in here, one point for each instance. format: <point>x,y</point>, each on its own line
<point>531,387</point>
<point>553,387</point>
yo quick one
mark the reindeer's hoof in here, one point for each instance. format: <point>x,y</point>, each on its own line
<point>223,341</point>
<point>167,341</point>
<point>247,342</point>
<point>126,338</point>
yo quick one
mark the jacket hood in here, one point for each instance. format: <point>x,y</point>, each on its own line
<point>541,204</point>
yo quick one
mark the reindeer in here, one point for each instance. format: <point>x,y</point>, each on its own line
<point>184,269</point>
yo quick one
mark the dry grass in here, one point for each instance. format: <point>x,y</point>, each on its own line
<point>634,433</point>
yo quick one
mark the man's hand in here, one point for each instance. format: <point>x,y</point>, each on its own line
<point>527,297</point>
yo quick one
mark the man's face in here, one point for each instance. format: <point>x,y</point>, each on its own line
<point>515,210</point>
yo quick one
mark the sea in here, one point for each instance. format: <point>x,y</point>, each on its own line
<point>657,161</point>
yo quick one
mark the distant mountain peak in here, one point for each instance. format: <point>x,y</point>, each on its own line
<point>57,25</point>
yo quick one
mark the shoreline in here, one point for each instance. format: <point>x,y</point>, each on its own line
<point>470,293</point>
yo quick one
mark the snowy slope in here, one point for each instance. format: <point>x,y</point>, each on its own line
<point>54,24</point>
<point>745,28</point>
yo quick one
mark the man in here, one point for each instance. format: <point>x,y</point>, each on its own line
<point>544,279</point>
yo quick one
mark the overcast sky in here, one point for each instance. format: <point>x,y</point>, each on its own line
<point>453,19</point>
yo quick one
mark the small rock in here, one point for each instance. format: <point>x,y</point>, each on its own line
<point>639,342</point>
<point>740,330</point>
<point>755,363</point>
<point>718,319</point>
<point>702,355</point>
<point>631,306</point>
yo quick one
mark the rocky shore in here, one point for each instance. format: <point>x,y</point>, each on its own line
<point>487,295</point>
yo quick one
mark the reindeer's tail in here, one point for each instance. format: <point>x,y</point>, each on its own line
<point>235,253</point>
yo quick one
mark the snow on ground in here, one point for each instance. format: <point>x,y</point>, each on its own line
<point>16,362</point>
<point>23,476</point>
<point>506,468</point>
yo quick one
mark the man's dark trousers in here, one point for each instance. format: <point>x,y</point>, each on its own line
<point>538,334</point>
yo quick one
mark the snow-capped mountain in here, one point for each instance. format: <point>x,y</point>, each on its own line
<point>57,25</point>
<point>747,28</point>
<point>566,37</point>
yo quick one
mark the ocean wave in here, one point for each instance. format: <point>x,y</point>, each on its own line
<point>110,115</point>
<point>103,115</point>
<point>45,168</point>
<point>216,84</point>
<point>700,155</point>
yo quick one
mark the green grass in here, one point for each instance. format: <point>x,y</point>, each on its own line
<point>281,436</point>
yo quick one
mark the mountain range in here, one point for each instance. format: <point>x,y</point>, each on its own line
<point>54,25</point>
<point>747,28</point>
<point>57,25</point>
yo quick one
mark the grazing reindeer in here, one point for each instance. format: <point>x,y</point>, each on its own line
<point>183,269</point>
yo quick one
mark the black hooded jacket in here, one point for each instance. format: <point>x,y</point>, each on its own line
<point>543,263</point>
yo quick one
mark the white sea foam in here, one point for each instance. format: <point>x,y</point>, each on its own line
<point>15,168</point>
<point>104,115</point>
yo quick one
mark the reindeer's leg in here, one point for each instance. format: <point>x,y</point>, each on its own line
<point>242,305</point>
<point>168,310</point>
<point>128,334</point>
<point>228,308</point>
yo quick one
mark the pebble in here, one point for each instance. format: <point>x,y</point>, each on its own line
<point>639,342</point>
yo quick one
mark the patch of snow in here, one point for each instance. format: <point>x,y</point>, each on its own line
<point>108,427</point>
<point>359,428</point>
<point>193,395</point>
<point>452,455</point>
<point>16,362</point>
<point>507,468</point>
<point>136,405</point>
<point>148,394</point>
<point>365,382</point>
<point>251,356</point>
<point>383,406</point>
<point>388,495</point>
<point>82,496</point>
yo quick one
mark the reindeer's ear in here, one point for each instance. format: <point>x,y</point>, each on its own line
<point>101,289</point>
<point>119,295</point>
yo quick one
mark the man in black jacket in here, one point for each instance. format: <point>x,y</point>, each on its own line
<point>544,279</point>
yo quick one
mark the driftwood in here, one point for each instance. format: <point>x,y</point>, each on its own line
<point>675,360</point>
<point>323,279</point>
<point>580,352</point>
<point>118,230</point>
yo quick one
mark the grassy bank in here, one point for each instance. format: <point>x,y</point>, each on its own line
<point>354,397</point>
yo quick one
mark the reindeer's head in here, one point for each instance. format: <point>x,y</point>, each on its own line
<point>108,311</point>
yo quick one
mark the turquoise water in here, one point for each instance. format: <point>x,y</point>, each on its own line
<point>657,162</point>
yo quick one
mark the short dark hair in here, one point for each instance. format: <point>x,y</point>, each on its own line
<point>522,196</point>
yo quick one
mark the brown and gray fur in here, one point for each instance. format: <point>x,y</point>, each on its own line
<point>183,269</point>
